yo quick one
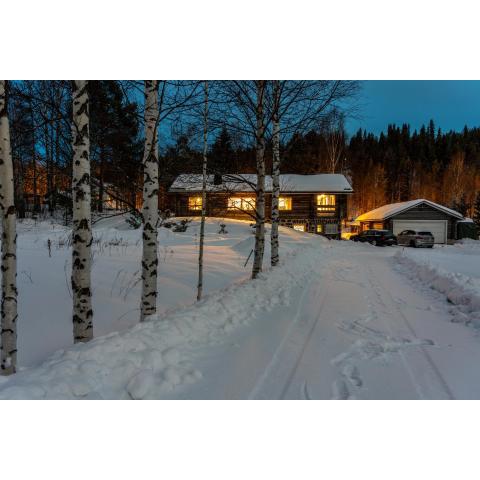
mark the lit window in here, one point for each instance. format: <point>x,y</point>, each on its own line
<point>234,203</point>
<point>285,203</point>
<point>299,227</point>
<point>241,203</point>
<point>248,203</point>
<point>194,203</point>
<point>325,200</point>
<point>325,205</point>
<point>319,228</point>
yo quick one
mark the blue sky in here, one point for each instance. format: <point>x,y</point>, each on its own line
<point>451,104</point>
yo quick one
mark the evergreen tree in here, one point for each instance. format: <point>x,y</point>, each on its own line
<point>116,148</point>
<point>222,159</point>
<point>476,211</point>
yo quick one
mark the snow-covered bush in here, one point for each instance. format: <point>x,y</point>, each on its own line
<point>134,219</point>
<point>182,226</point>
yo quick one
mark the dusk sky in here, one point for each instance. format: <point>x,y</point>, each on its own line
<point>451,104</point>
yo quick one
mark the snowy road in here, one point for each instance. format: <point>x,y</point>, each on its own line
<point>357,329</point>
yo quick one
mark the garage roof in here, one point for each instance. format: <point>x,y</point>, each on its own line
<point>326,182</point>
<point>387,211</point>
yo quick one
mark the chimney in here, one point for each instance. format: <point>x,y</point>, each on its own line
<point>217,179</point>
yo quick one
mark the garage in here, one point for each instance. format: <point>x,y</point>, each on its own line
<point>419,215</point>
<point>438,228</point>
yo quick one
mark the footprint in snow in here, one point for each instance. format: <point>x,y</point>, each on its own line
<point>350,372</point>
<point>340,390</point>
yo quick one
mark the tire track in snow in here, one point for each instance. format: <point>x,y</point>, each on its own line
<point>277,354</point>
<point>309,337</point>
<point>381,292</point>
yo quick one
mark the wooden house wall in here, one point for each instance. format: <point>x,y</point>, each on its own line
<point>304,208</point>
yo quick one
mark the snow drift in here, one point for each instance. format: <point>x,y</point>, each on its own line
<point>155,357</point>
<point>460,290</point>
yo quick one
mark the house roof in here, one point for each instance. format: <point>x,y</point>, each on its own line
<point>326,182</point>
<point>387,211</point>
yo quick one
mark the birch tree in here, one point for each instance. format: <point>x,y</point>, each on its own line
<point>334,132</point>
<point>150,202</point>
<point>9,245</point>
<point>82,223</point>
<point>260,189</point>
<point>204,195</point>
<point>275,173</point>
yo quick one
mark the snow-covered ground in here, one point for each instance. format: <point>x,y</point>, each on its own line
<point>452,270</point>
<point>334,320</point>
<point>44,282</point>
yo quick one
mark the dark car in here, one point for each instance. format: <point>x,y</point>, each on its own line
<point>376,237</point>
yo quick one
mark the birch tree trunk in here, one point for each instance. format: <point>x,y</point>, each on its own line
<point>9,246</point>
<point>275,174</point>
<point>204,196</point>
<point>260,200</point>
<point>150,202</point>
<point>82,222</point>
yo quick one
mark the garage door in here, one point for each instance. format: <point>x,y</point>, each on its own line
<point>437,227</point>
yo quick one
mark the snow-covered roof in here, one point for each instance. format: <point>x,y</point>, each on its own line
<point>325,182</point>
<point>387,211</point>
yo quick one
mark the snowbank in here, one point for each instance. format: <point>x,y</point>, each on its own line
<point>461,290</point>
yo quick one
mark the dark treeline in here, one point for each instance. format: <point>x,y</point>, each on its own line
<point>402,165</point>
<point>395,166</point>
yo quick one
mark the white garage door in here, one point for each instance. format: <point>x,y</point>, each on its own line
<point>437,227</point>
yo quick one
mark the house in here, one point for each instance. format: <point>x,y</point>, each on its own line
<point>309,203</point>
<point>418,214</point>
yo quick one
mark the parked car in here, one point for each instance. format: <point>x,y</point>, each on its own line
<point>376,237</point>
<point>416,238</point>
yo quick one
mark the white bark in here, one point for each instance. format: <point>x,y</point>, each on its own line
<point>260,190</point>
<point>150,202</point>
<point>9,246</point>
<point>204,196</point>
<point>82,224</point>
<point>275,174</point>
<point>335,139</point>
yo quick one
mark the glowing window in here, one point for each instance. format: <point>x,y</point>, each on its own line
<point>248,203</point>
<point>194,203</point>
<point>234,203</point>
<point>326,205</point>
<point>325,200</point>
<point>299,227</point>
<point>285,203</point>
<point>241,203</point>
<point>319,228</point>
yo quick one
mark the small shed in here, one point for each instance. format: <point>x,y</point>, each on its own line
<point>418,214</point>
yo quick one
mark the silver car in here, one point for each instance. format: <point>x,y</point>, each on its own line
<point>416,238</point>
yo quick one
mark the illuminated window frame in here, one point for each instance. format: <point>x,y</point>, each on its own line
<point>241,203</point>
<point>319,228</point>
<point>324,200</point>
<point>326,204</point>
<point>285,203</point>
<point>195,203</point>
